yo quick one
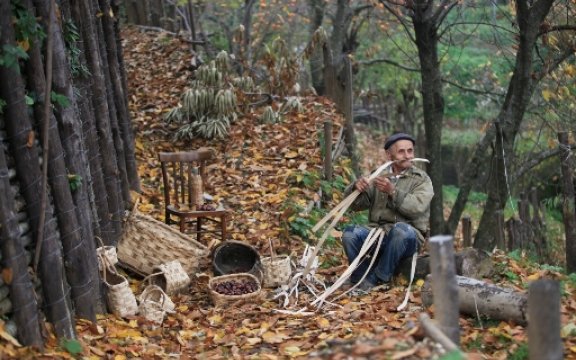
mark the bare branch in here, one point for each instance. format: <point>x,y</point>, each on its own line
<point>387,61</point>
<point>398,17</point>
<point>557,28</point>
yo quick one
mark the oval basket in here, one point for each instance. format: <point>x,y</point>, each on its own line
<point>277,271</point>
<point>233,257</point>
<point>219,299</point>
<point>154,304</point>
<point>170,277</point>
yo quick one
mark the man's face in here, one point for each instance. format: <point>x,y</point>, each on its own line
<point>402,151</point>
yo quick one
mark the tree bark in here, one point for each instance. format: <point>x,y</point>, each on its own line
<point>568,199</point>
<point>113,111</point>
<point>469,262</point>
<point>317,10</point>
<point>74,218</point>
<point>19,131</point>
<point>100,106</point>
<point>425,29</point>
<point>478,298</point>
<point>113,54</point>
<point>21,287</point>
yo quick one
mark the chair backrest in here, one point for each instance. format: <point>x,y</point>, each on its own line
<point>176,174</point>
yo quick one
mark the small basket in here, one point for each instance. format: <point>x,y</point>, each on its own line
<point>170,277</point>
<point>121,299</point>
<point>277,270</point>
<point>154,304</point>
<point>219,299</point>
<point>106,252</point>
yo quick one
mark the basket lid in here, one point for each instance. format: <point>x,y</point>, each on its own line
<point>231,257</point>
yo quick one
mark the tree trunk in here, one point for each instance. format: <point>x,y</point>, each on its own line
<point>317,10</point>
<point>478,298</point>
<point>100,106</point>
<point>470,262</point>
<point>99,204</point>
<point>518,97</point>
<point>113,54</point>
<point>113,111</point>
<point>74,218</point>
<point>19,131</point>
<point>21,287</point>
<point>568,207</point>
<point>433,106</point>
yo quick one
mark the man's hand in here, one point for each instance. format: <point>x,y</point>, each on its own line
<point>383,184</point>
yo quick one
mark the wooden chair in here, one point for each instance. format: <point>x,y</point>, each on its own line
<point>176,174</point>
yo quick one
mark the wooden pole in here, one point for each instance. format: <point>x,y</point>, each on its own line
<point>328,150</point>
<point>466,231</point>
<point>444,286</point>
<point>566,164</point>
<point>544,341</point>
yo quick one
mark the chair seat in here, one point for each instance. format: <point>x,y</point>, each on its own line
<point>186,212</point>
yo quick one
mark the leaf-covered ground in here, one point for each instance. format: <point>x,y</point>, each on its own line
<point>259,170</point>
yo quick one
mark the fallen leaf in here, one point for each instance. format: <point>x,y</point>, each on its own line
<point>273,337</point>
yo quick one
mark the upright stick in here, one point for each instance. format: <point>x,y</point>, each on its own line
<point>544,341</point>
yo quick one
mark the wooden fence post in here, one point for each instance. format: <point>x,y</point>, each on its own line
<point>544,341</point>
<point>566,163</point>
<point>445,286</point>
<point>466,231</point>
<point>328,150</point>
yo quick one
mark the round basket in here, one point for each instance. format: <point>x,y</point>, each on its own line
<point>154,304</point>
<point>170,277</point>
<point>277,271</point>
<point>240,278</point>
<point>233,257</point>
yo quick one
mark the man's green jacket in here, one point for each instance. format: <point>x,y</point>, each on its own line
<point>410,202</point>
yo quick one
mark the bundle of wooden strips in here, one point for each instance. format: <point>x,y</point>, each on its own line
<point>197,189</point>
<point>277,270</point>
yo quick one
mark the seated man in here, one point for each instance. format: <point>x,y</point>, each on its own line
<point>398,201</point>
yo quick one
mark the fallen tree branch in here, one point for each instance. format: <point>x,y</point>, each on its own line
<point>436,334</point>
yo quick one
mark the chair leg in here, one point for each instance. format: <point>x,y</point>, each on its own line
<point>198,228</point>
<point>182,224</point>
<point>223,226</point>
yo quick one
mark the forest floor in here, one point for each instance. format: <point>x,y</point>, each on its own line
<point>258,171</point>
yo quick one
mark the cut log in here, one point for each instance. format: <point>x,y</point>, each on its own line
<point>470,262</point>
<point>478,298</point>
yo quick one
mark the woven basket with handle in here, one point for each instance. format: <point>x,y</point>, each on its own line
<point>107,252</point>
<point>219,299</point>
<point>154,304</point>
<point>147,242</point>
<point>277,270</point>
<point>121,299</point>
<point>170,276</point>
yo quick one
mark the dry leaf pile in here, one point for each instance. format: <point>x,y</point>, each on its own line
<point>257,173</point>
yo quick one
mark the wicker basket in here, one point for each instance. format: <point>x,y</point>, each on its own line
<point>170,277</point>
<point>154,304</point>
<point>277,270</point>
<point>219,299</point>
<point>147,242</point>
<point>106,252</point>
<point>233,257</point>
<point>121,299</point>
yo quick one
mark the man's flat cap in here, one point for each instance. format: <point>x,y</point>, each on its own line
<point>398,136</point>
